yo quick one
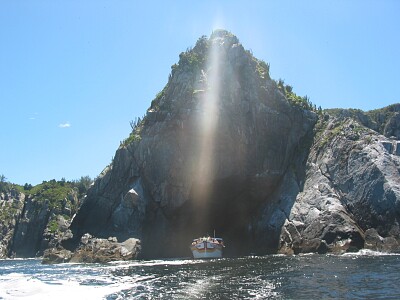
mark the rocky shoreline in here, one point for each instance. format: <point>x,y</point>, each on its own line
<point>94,250</point>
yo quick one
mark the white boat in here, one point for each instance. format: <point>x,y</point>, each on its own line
<point>207,247</point>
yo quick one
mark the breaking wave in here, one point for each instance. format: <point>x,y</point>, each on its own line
<point>367,252</point>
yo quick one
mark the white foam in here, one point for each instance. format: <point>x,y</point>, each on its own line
<point>367,252</point>
<point>128,264</point>
<point>19,286</point>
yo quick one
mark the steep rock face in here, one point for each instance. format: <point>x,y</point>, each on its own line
<point>30,224</point>
<point>29,230</point>
<point>11,206</point>
<point>351,196</point>
<point>214,147</point>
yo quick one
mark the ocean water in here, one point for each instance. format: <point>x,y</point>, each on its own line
<point>363,275</point>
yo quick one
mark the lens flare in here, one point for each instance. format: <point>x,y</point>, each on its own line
<point>207,125</point>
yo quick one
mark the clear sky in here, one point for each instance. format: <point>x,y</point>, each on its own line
<point>74,73</point>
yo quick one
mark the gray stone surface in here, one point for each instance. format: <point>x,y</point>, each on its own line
<point>95,250</point>
<point>351,194</point>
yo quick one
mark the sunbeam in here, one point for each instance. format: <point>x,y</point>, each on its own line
<point>207,124</point>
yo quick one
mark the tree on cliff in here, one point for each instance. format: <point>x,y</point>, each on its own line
<point>3,183</point>
<point>83,184</point>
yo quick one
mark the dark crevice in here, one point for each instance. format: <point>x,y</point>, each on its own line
<point>229,210</point>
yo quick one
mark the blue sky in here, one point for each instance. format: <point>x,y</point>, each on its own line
<point>74,73</point>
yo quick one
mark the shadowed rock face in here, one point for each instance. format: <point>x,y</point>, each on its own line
<point>157,189</point>
<point>28,234</point>
<point>29,225</point>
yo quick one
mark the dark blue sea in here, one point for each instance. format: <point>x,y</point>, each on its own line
<point>364,275</point>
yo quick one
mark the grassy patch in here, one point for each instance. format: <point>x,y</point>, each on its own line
<point>52,226</point>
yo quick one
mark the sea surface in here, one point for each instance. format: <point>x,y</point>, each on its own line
<point>363,275</point>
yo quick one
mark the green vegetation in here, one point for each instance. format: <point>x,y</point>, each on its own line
<point>135,135</point>
<point>302,102</point>
<point>3,184</point>
<point>57,193</point>
<point>340,111</point>
<point>83,185</point>
<point>381,116</point>
<point>155,104</point>
<point>342,127</point>
<point>331,134</point>
<point>6,187</point>
<point>263,69</point>
<point>52,226</point>
<point>193,59</point>
<point>224,33</point>
<point>61,196</point>
<point>8,212</point>
<point>376,119</point>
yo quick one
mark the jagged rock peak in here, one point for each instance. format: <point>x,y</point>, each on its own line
<point>224,35</point>
<point>190,80</point>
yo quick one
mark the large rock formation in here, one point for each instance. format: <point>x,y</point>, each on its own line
<point>214,147</point>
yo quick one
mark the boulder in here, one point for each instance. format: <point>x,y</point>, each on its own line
<point>96,250</point>
<point>375,242</point>
<point>56,256</point>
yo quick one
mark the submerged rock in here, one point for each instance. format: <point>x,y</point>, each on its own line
<point>56,256</point>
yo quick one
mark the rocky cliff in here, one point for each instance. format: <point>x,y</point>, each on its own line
<point>11,205</point>
<point>351,196</point>
<point>212,151</point>
<point>31,223</point>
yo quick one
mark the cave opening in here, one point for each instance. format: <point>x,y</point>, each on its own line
<point>229,210</point>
